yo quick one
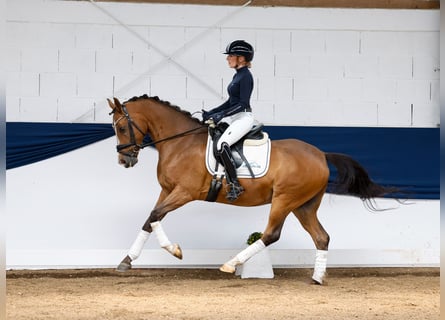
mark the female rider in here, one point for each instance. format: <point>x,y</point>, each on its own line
<point>236,111</point>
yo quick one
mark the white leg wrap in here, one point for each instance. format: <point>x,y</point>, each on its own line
<point>321,258</point>
<point>138,244</point>
<point>162,237</point>
<point>247,253</point>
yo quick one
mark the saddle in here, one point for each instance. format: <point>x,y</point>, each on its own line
<point>255,136</point>
<point>251,155</point>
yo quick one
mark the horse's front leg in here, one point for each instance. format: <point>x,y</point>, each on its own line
<point>166,202</point>
<point>163,240</point>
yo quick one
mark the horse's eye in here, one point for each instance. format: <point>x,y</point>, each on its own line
<point>122,129</point>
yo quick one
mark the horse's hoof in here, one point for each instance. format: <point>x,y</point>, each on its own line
<point>227,268</point>
<point>122,267</point>
<point>317,282</point>
<point>125,265</point>
<point>177,252</point>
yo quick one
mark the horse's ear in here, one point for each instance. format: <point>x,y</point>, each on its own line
<point>112,106</point>
<point>116,106</point>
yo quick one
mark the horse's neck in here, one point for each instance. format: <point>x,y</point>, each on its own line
<point>166,122</point>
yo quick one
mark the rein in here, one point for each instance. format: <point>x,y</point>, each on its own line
<point>137,146</point>
<point>182,134</point>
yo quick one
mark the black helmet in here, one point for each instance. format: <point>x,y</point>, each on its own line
<point>240,48</point>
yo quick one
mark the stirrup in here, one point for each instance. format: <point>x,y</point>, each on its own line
<point>233,191</point>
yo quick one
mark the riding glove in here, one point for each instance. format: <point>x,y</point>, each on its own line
<point>205,115</point>
<point>216,116</point>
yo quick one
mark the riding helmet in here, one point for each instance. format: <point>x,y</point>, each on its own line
<point>240,48</point>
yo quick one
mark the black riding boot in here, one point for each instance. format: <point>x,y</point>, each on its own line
<point>234,188</point>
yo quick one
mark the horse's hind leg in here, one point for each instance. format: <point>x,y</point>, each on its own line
<point>278,214</point>
<point>307,215</point>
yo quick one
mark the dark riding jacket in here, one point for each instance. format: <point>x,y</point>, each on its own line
<point>239,89</point>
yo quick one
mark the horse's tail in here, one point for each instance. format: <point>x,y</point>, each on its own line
<point>352,179</point>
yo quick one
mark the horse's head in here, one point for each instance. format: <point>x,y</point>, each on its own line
<point>129,134</point>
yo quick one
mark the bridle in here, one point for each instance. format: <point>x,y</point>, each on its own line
<point>132,143</point>
<point>131,124</point>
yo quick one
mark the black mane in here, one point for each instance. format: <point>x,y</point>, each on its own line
<point>167,103</point>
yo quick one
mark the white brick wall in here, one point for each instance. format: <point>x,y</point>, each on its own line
<point>95,85</point>
<point>57,84</point>
<point>311,67</point>
<point>77,60</point>
<point>23,84</point>
<point>93,36</point>
<point>39,59</point>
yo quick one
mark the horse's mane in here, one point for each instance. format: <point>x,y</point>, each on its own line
<point>166,103</point>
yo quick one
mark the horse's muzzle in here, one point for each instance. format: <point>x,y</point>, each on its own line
<point>127,161</point>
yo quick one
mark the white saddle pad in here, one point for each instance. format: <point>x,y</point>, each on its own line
<point>258,156</point>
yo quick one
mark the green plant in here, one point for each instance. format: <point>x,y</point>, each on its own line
<point>254,237</point>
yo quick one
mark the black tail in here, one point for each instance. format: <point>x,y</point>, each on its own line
<point>352,179</point>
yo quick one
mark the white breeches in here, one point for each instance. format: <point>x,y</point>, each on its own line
<point>239,125</point>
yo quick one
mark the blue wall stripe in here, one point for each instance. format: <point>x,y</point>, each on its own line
<point>29,142</point>
<point>407,158</point>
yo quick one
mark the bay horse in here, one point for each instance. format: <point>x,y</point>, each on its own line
<point>296,180</point>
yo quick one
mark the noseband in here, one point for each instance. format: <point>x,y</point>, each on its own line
<point>132,143</point>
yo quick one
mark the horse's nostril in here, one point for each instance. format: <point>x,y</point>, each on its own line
<point>127,162</point>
